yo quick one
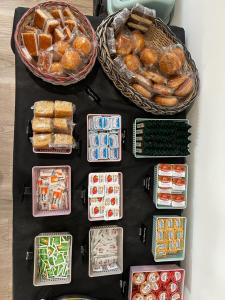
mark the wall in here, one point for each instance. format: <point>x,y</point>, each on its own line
<point>204,22</point>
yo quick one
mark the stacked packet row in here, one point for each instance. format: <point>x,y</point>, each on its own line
<point>168,240</point>
<point>52,124</point>
<point>163,283</point>
<point>54,257</point>
<point>162,138</point>
<point>55,41</point>
<point>106,251</point>
<point>51,194</point>
<point>104,138</point>
<point>105,196</point>
<point>170,186</point>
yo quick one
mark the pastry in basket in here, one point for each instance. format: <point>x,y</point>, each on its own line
<point>41,16</point>
<point>63,140</point>
<point>166,101</point>
<point>58,35</point>
<point>71,24</point>
<point>61,125</point>
<point>30,42</point>
<point>132,62</point>
<point>42,125</point>
<point>63,109</point>
<point>185,88</point>
<point>67,33</point>
<point>149,56</point>
<point>44,109</point>
<point>56,68</point>
<point>71,60</point>
<point>138,41</point>
<point>155,77</point>
<point>44,41</point>
<point>61,47</point>
<point>58,14</point>
<point>68,13</point>
<point>141,90</point>
<point>83,45</point>
<point>44,61</point>
<point>51,25</point>
<point>123,44</point>
<point>175,81</point>
<point>41,141</point>
<point>162,90</point>
<point>170,63</point>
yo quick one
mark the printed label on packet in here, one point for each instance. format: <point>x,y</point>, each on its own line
<point>165,170</point>
<point>179,184</point>
<point>112,177</point>
<point>97,211</point>
<point>96,190</point>
<point>179,170</point>
<point>112,189</point>
<point>111,213</point>
<point>96,178</point>
<point>103,139</point>
<point>165,182</point>
<point>114,201</point>
<point>115,122</point>
<point>93,139</point>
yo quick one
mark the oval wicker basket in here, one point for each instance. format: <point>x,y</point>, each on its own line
<point>162,36</point>
<point>57,79</point>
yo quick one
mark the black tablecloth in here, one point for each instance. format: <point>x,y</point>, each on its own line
<point>138,204</point>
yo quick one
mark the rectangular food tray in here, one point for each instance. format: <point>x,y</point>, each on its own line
<point>156,169</point>
<point>134,136</point>
<point>37,281</point>
<point>92,273</point>
<point>36,212</point>
<point>155,268</point>
<point>180,256</point>
<point>89,116</point>
<point>121,198</point>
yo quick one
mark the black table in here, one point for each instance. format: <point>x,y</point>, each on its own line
<point>138,204</point>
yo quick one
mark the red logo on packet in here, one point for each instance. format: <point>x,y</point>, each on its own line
<point>94,190</point>
<point>100,199</point>
<point>179,168</point>
<point>110,190</point>
<point>96,210</point>
<point>179,181</point>
<point>110,213</point>
<point>95,179</point>
<point>113,201</point>
<point>109,178</point>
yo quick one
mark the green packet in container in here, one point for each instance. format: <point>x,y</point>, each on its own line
<point>52,259</point>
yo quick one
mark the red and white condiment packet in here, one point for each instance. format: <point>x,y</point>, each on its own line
<point>165,277</point>
<point>97,190</point>
<point>138,278</point>
<point>165,170</point>
<point>97,178</point>
<point>150,296</point>
<point>112,177</point>
<point>179,170</point>
<point>176,296</point>
<point>179,184</point>
<point>178,200</point>
<point>177,276</point>
<point>163,296</point>
<point>111,213</point>
<point>112,189</point>
<point>164,198</point>
<point>172,287</point>
<point>153,277</point>
<point>165,181</point>
<point>138,296</point>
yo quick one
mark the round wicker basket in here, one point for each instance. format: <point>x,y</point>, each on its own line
<point>161,36</point>
<point>57,79</point>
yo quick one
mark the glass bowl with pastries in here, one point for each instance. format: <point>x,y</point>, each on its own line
<point>52,127</point>
<point>147,62</point>
<point>56,42</point>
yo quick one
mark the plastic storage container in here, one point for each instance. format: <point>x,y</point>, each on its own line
<point>170,190</point>
<point>56,212</point>
<point>110,269</point>
<point>166,274</point>
<point>137,155</point>
<point>37,280</point>
<point>101,145</point>
<point>105,206</point>
<point>165,237</point>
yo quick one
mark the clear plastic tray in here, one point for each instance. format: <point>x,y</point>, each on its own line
<point>136,155</point>
<point>175,257</point>
<point>89,117</point>
<point>37,281</point>
<point>121,197</point>
<point>156,169</point>
<point>155,268</point>
<point>38,213</point>
<point>119,270</point>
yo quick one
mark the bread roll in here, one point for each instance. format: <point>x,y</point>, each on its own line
<point>138,41</point>
<point>170,63</point>
<point>68,13</point>
<point>149,56</point>
<point>83,45</point>
<point>180,53</point>
<point>61,47</point>
<point>123,44</point>
<point>61,125</point>
<point>132,62</point>
<point>141,90</point>
<point>71,60</point>
<point>155,77</point>
<point>63,140</point>
<point>56,68</point>
<point>71,24</point>
<point>162,90</point>
<point>185,88</point>
<point>166,101</point>
<point>176,81</point>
